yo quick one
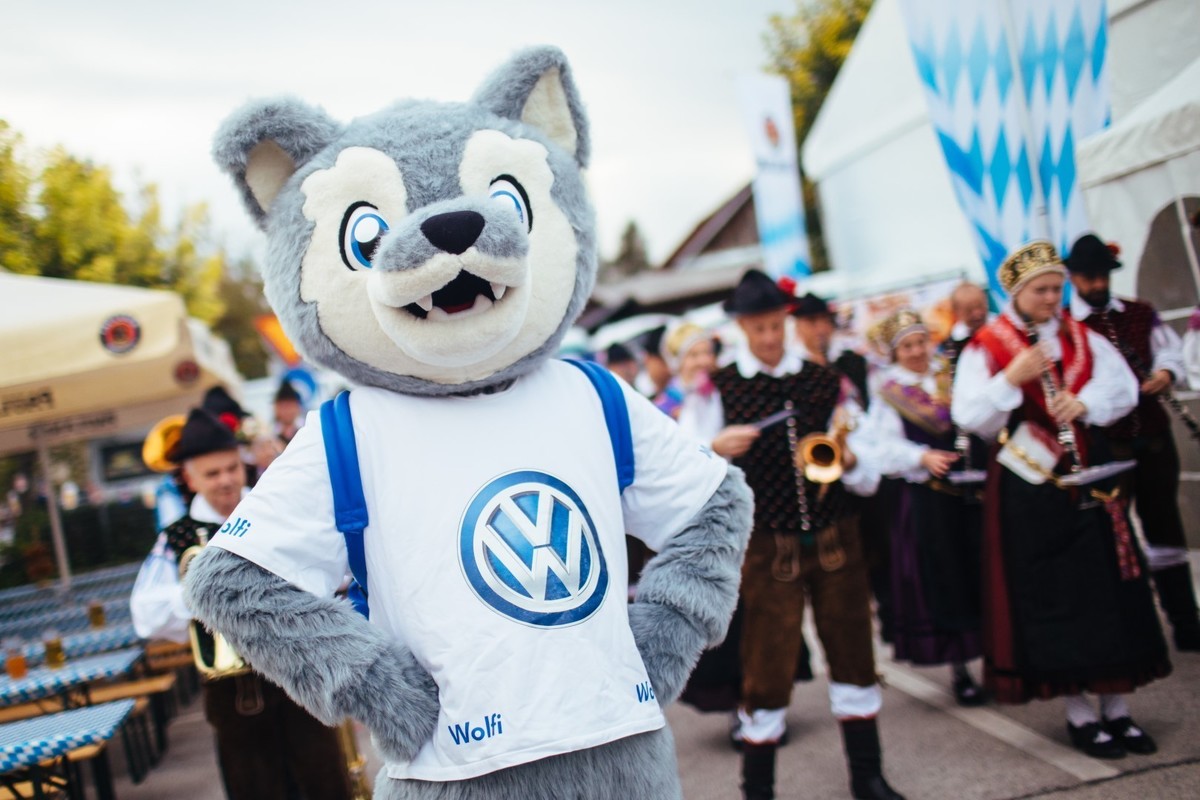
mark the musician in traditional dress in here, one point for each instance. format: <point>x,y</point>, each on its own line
<point>1068,607</point>
<point>804,547</point>
<point>265,741</point>
<point>935,531</point>
<point>1155,354</point>
<point>969,303</point>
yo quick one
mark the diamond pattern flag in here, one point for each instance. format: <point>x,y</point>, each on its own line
<point>1012,85</point>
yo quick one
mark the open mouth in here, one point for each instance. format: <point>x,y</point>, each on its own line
<point>464,296</point>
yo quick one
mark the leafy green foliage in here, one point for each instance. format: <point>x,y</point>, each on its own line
<point>62,217</point>
<point>807,48</point>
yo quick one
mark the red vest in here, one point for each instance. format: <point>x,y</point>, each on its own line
<point>1003,341</point>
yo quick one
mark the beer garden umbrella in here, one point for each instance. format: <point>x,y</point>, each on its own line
<point>81,360</point>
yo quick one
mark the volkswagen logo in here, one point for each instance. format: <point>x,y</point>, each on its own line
<point>529,549</point>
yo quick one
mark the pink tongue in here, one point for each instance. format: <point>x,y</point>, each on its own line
<point>458,308</point>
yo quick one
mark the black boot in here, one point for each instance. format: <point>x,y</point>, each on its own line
<point>1178,599</point>
<point>758,771</point>
<point>861,737</point>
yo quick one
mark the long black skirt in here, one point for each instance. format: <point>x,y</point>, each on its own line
<point>1074,623</point>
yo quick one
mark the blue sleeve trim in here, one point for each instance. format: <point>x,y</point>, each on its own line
<point>616,417</point>
<point>349,503</point>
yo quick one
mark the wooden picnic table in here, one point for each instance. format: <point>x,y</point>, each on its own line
<point>69,681</point>
<point>27,746</point>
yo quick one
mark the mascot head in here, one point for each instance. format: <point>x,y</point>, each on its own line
<point>429,248</point>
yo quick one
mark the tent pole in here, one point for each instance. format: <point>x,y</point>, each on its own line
<point>56,531</point>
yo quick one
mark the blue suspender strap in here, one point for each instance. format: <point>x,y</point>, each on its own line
<point>349,503</point>
<point>616,417</point>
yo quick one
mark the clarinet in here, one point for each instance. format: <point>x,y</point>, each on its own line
<point>1139,369</point>
<point>1066,432</point>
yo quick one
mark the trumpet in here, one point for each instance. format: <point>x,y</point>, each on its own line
<point>819,455</point>
<point>215,658</point>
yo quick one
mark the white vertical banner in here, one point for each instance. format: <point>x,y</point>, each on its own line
<point>778,205</point>
<point>1012,86</point>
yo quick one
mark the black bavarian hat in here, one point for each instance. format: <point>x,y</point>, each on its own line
<point>618,354</point>
<point>651,340</point>
<point>203,433</point>
<point>1091,256</point>
<point>756,293</point>
<point>810,306</point>
<point>287,392</point>
<point>218,401</point>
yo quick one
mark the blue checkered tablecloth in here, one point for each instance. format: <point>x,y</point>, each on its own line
<point>29,741</point>
<point>63,620</point>
<point>44,682</point>
<point>15,610</point>
<point>87,643</point>
<point>100,577</point>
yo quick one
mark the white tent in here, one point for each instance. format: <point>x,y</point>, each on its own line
<point>80,360</point>
<point>1146,168</point>
<point>888,208</point>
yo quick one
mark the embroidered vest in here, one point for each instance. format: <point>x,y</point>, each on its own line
<point>1003,341</point>
<point>1129,331</point>
<point>768,465</point>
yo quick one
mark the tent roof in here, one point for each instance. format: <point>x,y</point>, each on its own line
<point>876,96</point>
<point>1165,125</point>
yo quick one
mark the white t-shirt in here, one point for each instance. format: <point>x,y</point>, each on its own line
<point>495,551</point>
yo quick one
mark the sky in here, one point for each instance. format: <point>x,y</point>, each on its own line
<point>141,86</point>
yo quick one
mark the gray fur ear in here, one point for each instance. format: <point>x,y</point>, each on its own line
<point>536,88</point>
<point>264,142</point>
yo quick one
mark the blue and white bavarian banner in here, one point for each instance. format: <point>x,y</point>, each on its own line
<point>1012,86</point>
<point>767,110</point>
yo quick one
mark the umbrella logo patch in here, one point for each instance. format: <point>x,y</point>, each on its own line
<point>119,334</point>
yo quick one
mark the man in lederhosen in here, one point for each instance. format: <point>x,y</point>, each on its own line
<point>1155,354</point>
<point>805,545</point>
<point>265,742</point>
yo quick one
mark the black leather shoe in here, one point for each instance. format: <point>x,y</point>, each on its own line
<point>1095,741</point>
<point>873,788</point>
<point>967,692</point>
<point>1131,737</point>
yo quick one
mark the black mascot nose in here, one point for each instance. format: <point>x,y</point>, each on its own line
<point>454,231</point>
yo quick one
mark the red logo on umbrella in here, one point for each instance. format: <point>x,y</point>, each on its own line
<point>120,334</point>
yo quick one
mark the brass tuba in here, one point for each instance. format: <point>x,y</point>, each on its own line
<point>215,658</point>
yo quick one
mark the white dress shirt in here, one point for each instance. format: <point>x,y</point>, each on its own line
<point>983,398</point>
<point>894,454</point>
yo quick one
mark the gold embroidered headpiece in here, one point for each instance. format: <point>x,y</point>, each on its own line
<point>897,325</point>
<point>1026,263</point>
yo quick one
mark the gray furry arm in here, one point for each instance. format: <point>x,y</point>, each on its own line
<point>687,592</point>
<point>319,650</point>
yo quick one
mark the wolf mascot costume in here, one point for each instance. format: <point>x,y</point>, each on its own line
<point>436,254</point>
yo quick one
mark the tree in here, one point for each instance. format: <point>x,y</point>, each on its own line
<point>16,225</point>
<point>242,292</point>
<point>631,256</point>
<point>807,48</point>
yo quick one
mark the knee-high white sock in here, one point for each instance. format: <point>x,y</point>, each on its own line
<point>1113,706</point>
<point>1079,711</point>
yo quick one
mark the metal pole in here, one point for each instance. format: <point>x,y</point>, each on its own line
<point>56,531</point>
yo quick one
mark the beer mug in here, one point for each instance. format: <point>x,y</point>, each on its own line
<point>55,655</point>
<point>14,659</point>
<point>96,614</point>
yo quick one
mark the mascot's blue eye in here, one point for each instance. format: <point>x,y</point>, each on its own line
<point>362,230</point>
<point>506,191</point>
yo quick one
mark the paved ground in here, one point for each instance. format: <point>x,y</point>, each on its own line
<point>933,749</point>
